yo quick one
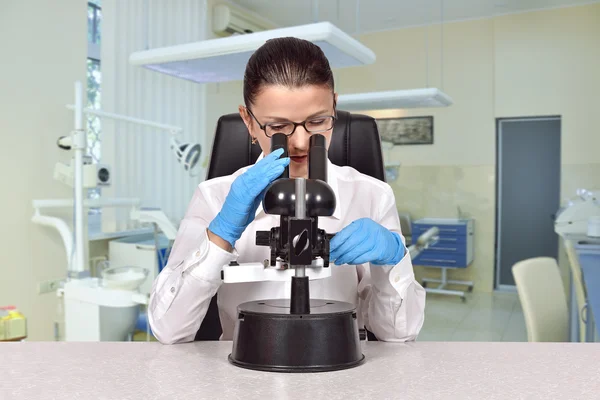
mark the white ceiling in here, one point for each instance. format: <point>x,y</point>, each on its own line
<point>377,15</point>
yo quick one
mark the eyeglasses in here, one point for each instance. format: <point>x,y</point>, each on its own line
<point>313,125</point>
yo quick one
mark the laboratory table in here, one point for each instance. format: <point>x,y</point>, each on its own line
<point>417,370</point>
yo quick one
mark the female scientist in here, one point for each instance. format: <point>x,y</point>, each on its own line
<point>288,88</point>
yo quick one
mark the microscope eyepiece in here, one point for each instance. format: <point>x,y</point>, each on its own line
<point>317,140</point>
<point>317,158</point>
<point>280,141</point>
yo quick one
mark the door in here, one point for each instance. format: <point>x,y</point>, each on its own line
<point>527,192</point>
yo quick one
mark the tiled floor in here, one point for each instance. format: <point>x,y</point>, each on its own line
<point>495,317</point>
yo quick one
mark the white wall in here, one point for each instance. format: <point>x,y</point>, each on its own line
<point>44,48</point>
<point>548,63</point>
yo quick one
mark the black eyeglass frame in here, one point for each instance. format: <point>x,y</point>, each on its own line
<point>296,124</point>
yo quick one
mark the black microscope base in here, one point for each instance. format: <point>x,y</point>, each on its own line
<point>268,337</point>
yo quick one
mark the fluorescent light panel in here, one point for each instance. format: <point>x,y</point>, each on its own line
<point>413,98</point>
<point>224,59</point>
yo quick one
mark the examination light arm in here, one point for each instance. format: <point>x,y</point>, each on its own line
<point>157,217</point>
<point>424,241</point>
<point>188,154</point>
<point>124,118</point>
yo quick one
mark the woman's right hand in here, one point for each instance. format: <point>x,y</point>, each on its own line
<point>245,195</point>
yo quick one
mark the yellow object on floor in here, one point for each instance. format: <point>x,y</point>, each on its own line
<point>140,336</point>
<point>13,324</point>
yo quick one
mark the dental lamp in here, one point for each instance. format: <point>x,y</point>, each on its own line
<point>187,154</point>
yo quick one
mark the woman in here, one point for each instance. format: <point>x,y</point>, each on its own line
<point>288,88</point>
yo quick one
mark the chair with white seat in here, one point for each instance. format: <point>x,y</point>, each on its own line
<point>543,299</point>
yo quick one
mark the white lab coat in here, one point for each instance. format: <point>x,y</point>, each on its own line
<point>390,302</point>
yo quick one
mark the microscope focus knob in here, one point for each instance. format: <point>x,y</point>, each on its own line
<point>263,238</point>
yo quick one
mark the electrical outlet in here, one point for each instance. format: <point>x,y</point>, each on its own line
<point>49,286</point>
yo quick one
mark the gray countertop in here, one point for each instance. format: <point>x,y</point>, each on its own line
<point>423,370</point>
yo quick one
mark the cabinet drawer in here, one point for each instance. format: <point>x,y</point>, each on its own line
<point>452,240</point>
<point>445,230</point>
<point>444,240</point>
<point>458,247</point>
<point>435,258</point>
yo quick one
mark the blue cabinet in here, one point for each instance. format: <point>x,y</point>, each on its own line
<point>454,249</point>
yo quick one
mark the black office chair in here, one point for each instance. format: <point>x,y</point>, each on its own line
<point>355,142</point>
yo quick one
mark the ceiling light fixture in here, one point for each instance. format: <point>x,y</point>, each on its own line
<point>225,59</point>
<point>392,99</point>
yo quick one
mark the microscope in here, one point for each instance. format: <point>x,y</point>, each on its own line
<point>298,334</point>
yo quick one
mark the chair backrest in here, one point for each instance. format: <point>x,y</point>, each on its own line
<point>543,299</point>
<point>355,142</point>
<point>580,292</point>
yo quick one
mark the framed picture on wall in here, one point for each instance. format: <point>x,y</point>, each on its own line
<point>406,130</point>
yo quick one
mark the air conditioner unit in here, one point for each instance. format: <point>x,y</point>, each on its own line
<point>228,20</point>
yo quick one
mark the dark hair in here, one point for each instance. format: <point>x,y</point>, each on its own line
<point>287,61</point>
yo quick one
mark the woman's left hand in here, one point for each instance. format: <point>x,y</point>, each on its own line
<point>364,240</point>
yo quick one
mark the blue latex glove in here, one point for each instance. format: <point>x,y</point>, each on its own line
<point>364,240</point>
<point>245,195</point>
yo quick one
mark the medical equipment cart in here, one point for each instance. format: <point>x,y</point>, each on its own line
<point>453,249</point>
